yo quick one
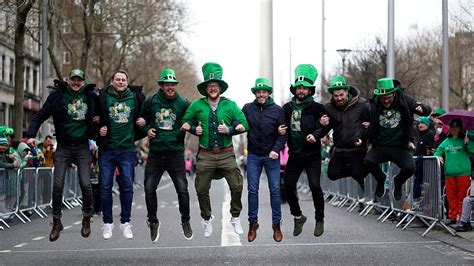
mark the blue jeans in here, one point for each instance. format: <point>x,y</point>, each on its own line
<point>255,164</point>
<point>125,162</point>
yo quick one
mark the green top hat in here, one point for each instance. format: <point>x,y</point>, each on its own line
<point>168,76</point>
<point>306,75</point>
<point>384,87</point>
<point>77,73</point>
<point>262,84</point>
<point>212,72</point>
<point>338,83</point>
<point>5,130</point>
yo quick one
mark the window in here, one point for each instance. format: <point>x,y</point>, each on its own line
<point>66,58</point>
<point>27,79</point>
<point>35,82</point>
<point>3,67</point>
<point>2,113</point>
<point>12,70</point>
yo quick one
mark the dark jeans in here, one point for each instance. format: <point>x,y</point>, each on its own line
<point>125,162</point>
<point>401,157</point>
<point>295,166</point>
<point>65,155</point>
<point>157,164</point>
<point>348,163</point>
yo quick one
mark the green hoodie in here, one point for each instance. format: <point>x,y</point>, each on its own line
<point>296,136</point>
<point>456,162</point>
<point>75,104</point>
<point>165,117</point>
<point>121,113</point>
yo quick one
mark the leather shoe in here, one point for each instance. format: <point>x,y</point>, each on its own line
<point>86,226</point>
<point>277,235</point>
<point>56,230</point>
<point>253,226</point>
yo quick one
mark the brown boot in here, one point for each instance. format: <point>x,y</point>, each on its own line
<point>57,228</point>
<point>277,235</point>
<point>86,226</point>
<point>253,226</point>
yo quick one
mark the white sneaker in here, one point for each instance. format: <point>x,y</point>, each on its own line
<point>127,230</point>
<point>107,233</point>
<point>235,221</point>
<point>207,226</point>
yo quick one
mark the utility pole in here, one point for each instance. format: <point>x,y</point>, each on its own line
<point>391,40</point>
<point>45,128</point>
<point>445,62</point>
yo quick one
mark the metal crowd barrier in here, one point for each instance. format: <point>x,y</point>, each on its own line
<point>429,208</point>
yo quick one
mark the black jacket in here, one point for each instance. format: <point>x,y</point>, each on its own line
<point>309,125</point>
<point>346,122</point>
<point>407,106</point>
<point>105,118</point>
<point>263,123</point>
<point>54,106</point>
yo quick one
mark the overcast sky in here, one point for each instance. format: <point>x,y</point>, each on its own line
<point>227,32</point>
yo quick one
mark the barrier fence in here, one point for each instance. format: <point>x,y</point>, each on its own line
<point>428,208</point>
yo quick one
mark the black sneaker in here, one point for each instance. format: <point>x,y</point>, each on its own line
<point>187,231</point>
<point>380,189</point>
<point>154,231</point>
<point>299,225</point>
<point>319,228</point>
<point>463,227</point>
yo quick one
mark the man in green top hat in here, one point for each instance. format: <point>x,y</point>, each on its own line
<point>390,132</point>
<point>72,105</point>
<point>212,118</point>
<point>302,115</point>
<point>264,145</point>
<point>161,116</point>
<point>348,116</point>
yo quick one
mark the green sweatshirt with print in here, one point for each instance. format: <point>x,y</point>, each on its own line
<point>121,108</point>
<point>76,106</point>
<point>456,156</point>
<point>165,115</point>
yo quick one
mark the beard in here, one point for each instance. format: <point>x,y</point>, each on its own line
<point>341,103</point>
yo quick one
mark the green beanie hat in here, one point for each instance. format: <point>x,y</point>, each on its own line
<point>212,72</point>
<point>262,84</point>
<point>385,86</point>
<point>338,83</point>
<point>306,75</point>
<point>77,73</point>
<point>439,112</point>
<point>168,76</point>
<point>425,120</point>
<point>5,130</point>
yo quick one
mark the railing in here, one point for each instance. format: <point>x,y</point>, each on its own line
<point>429,208</point>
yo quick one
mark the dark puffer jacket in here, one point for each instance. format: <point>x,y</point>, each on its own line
<point>407,106</point>
<point>347,122</point>
<point>54,106</point>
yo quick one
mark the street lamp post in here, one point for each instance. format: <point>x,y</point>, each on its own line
<point>343,53</point>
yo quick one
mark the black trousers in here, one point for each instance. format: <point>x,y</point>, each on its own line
<point>401,157</point>
<point>157,164</point>
<point>348,163</point>
<point>295,166</point>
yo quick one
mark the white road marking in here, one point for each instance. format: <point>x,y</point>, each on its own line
<point>139,207</point>
<point>78,222</point>
<point>115,206</point>
<point>67,227</point>
<point>5,251</point>
<point>228,236</point>
<point>38,238</point>
<point>252,246</point>
<point>20,245</point>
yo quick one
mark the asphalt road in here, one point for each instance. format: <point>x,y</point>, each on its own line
<point>348,238</point>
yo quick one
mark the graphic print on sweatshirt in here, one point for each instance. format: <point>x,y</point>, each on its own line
<point>165,119</point>
<point>390,119</point>
<point>77,109</point>
<point>120,112</point>
<point>296,120</point>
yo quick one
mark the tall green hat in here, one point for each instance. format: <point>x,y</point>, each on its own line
<point>168,76</point>
<point>338,83</point>
<point>212,72</point>
<point>306,75</point>
<point>385,86</point>
<point>5,130</point>
<point>262,84</point>
<point>77,73</point>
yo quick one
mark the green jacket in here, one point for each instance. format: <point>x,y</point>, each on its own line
<point>456,157</point>
<point>165,117</point>
<point>227,110</point>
